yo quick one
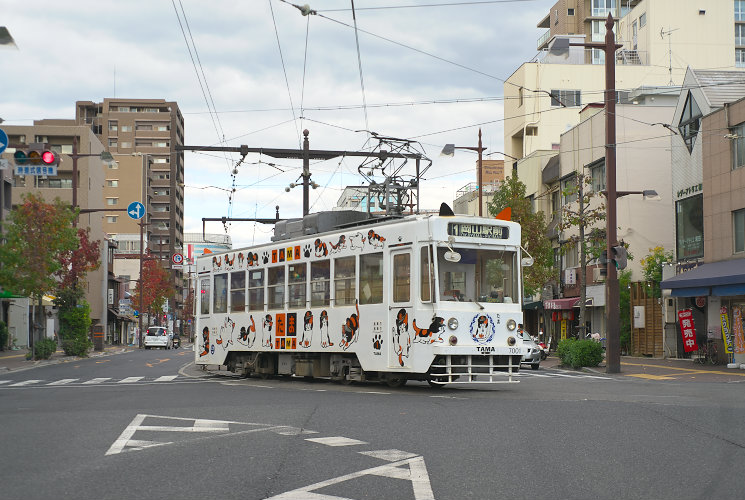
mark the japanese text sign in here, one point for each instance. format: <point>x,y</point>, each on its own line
<point>687,330</point>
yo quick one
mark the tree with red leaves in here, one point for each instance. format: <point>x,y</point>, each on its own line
<point>154,284</point>
<point>76,263</point>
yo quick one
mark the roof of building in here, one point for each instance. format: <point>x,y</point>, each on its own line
<point>720,87</point>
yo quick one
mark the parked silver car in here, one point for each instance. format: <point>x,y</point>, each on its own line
<point>532,352</point>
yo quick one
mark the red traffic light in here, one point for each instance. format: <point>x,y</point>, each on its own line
<point>48,158</point>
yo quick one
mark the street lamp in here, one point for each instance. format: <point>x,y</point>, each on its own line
<point>449,150</point>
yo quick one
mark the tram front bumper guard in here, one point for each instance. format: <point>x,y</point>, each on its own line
<point>470,369</point>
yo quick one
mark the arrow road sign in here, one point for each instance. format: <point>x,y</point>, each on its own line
<point>136,210</point>
<point>3,140</point>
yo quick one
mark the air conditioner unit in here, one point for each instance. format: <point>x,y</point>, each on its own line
<point>596,274</point>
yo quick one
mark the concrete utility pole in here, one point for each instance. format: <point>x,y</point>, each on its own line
<point>306,154</point>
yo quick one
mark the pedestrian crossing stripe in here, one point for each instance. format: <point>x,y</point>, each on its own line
<point>93,381</point>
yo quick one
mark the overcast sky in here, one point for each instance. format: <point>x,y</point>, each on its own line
<point>432,73</point>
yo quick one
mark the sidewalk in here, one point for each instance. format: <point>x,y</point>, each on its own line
<point>660,369</point>
<point>11,361</point>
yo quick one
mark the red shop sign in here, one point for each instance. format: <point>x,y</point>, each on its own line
<point>687,330</point>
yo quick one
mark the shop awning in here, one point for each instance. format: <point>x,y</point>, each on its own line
<point>721,278</point>
<point>555,304</point>
<point>532,306</point>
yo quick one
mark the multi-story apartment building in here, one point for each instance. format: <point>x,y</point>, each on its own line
<point>60,135</point>
<point>660,39</point>
<point>142,135</point>
<point>149,131</point>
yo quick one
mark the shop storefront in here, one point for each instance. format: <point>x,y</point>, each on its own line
<point>562,318</point>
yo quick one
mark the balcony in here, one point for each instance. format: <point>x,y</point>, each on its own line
<point>543,40</point>
<point>581,55</point>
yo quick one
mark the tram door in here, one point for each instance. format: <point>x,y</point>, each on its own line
<point>401,307</point>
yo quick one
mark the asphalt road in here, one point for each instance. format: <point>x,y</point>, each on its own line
<point>147,424</point>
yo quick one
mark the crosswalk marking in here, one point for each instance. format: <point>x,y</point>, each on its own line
<point>63,381</point>
<point>25,382</point>
<point>336,441</point>
<point>5,381</point>
<point>96,380</point>
<point>166,378</point>
<point>129,380</point>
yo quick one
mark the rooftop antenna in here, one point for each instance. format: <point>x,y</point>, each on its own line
<point>669,50</point>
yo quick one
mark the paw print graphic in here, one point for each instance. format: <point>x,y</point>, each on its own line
<point>377,341</point>
<point>306,250</point>
<point>265,257</point>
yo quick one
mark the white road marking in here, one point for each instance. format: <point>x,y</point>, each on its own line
<point>412,469</point>
<point>25,382</point>
<point>388,455</point>
<point>336,441</point>
<point>63,381</point>
<point>96,380</point>
<point>166,378</point>
<point>129,380</point>
<point>5,381</point>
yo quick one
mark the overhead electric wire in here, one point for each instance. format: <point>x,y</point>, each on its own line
<point>284,71</point>
<point>359,65</point>
<point>448,4</point>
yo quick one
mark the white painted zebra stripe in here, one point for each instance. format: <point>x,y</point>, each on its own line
<point>336,441</point>
<point>129,380</point>
<point>25,382</point>
<point>166,378</point>
<point>5,381</point>
<point>96,380</point>
<point>63,381</point>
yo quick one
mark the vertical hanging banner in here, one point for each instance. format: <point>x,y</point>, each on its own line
<point>737,330</point>
<point>726,333</point>
<point>563,329</point>
<point>687,330</point>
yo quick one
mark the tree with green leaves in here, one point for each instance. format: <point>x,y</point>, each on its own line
<point>36,235</point>
<point>652,267</point>
<point>579,211</point>
<point>512,194</point>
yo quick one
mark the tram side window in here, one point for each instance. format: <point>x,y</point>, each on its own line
<point>402,277</point>
<point>320,276</point>
<point>221,294</point>
<point>256,290</point>
<point>276,287</point>
<point>344,290</point>
<point>297,280</point>
<point>371,278</point>
<point>426,274</point>
<point>238,291</point>
<point>204,300</point>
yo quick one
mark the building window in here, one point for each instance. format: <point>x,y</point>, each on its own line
<point>689,225</point>
<point>520,97</point>
<point>597,172</point>
<point>738,146</point>
<point>112,201</point>
<point>643,20</point>
<point>740,58</point>
<point>568,98</point>
<point>112,183</point>
<point>111,219</point>
<point>570,12</point>
<point>568,189</point>
<point>739,10</point>
<point>738,230</point>
<point>739,34</point>
<point>126,145</point>
<point>690,121</point>
<point>601,8</point>
<point>238,291</point>
<point>113,125</point>
<point>113,165</point>
<point>113,143</point>
<point>126,128</point>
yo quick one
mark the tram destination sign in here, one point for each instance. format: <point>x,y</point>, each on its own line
<point>478,231</point>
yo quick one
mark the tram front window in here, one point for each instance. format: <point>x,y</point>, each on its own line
<point>480,275</point>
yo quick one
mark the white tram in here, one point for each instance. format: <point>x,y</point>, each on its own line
<point>343,296</point>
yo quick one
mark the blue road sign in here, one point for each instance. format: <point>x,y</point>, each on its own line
<point>3,140</point>
<point>136,210</point>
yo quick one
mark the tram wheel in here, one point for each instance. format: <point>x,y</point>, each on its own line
<point>396,381</point>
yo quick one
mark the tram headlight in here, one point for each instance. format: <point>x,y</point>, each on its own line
<point>453,323</point>
<point>511,325</point>
<point>511,340</point>
<point>453,340</point>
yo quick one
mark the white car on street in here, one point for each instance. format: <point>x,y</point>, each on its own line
<point>158,336</point>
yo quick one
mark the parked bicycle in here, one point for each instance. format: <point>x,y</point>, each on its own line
<point>707,353</point>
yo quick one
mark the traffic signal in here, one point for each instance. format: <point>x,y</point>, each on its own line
<point>620,256</point>
<point>603,263</point>
<point>36,156</point>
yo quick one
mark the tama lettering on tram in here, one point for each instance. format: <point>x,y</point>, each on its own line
<point>478,231</point>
